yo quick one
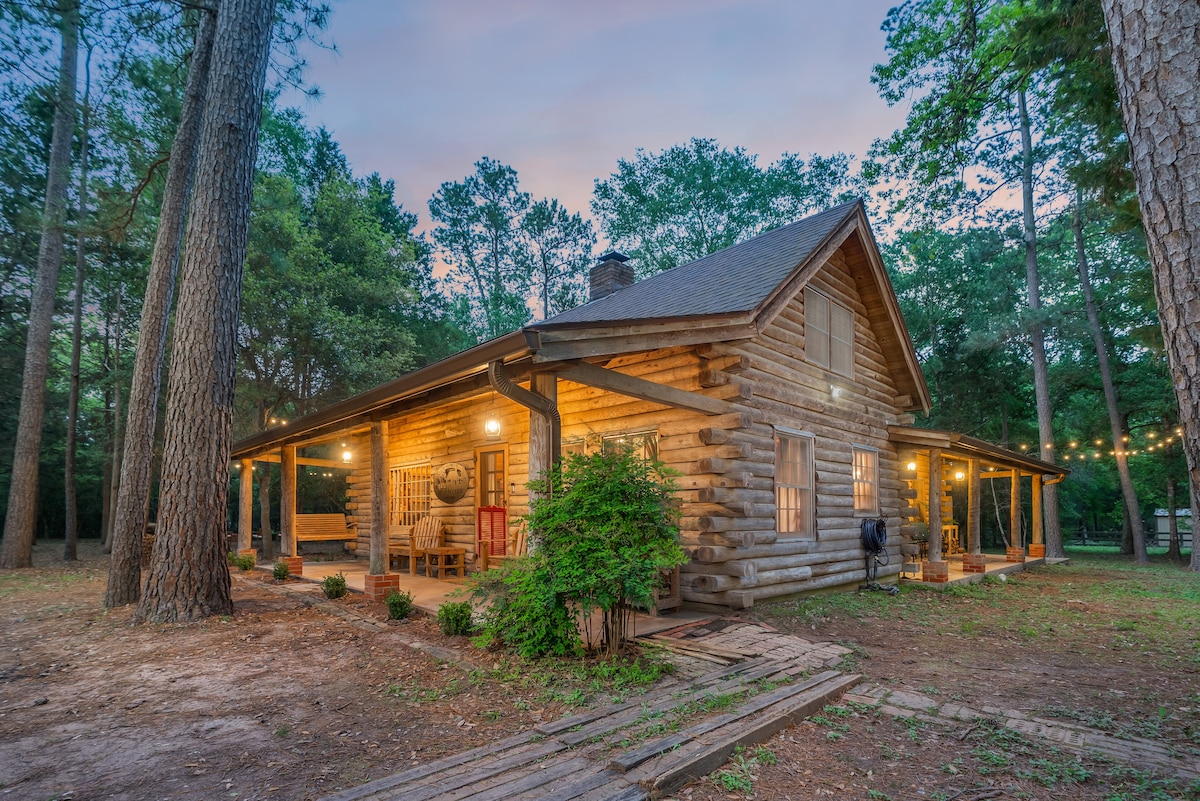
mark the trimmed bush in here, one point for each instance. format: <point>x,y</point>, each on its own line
<point>334,586</point>
<point>281,571</point>
<point>524,612</point>
<point>455,618</point>
<point>399,604</point>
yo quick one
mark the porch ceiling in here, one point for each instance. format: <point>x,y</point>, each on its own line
<point>965,447</point>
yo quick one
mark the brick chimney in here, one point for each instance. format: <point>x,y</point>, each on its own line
<point>610,274</point>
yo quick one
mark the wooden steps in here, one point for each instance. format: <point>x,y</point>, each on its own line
<point>623,752</point>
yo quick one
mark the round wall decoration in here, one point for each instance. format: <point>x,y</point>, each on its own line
<point>450,482</point>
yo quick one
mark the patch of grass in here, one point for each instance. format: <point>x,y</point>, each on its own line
<point>740,773</point>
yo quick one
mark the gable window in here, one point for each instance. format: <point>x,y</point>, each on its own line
<point>408,500</point>
<point>828,333</point>
<point>794,510</point>
<point>866,480</point>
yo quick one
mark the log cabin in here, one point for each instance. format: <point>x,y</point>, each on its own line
<point>775,376</point>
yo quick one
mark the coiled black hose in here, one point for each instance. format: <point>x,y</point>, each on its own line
<point>874,542</point>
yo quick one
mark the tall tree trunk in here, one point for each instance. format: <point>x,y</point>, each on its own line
<point>118,429</point>
<point>71,535</point>
<point>1174,549</point>
<point>16,550</point>
<point>1037,338</point>
<point>133,494</point>
<point>1156,57</point>
<point>1128,493</point>
<point>189,576</point>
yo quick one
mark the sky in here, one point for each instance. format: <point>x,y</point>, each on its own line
<point>419,90</point>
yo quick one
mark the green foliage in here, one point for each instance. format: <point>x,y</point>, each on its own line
<point>454,618</point>
<point>606,529</point>
<point>334,586</point>
<point>243,563</point>
<point>669,208</point>
<point>740,773</point>
<point>399,604</point>
<point>524,611</point>
<point>280,571</point>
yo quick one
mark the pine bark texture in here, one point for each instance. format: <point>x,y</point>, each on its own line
<point>71,534</point>
<point>1133,509</point>
<point>21,516</point>
<point>1037,339</point>
<point>133,491</point>
<point>189,577</point>
<point>1156,58</point>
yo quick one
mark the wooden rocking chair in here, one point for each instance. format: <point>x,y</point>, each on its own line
<point>429,532</point>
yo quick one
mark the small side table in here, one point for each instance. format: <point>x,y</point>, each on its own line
<point>439,560</point>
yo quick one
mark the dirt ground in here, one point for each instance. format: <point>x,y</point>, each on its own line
<point>284,700</point>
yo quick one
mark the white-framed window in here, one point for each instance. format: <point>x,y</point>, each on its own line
<point>795,510</point>
<point>866,480</point>
<point>409,492</point>
<point>828,333</point>
<point>643,444</point>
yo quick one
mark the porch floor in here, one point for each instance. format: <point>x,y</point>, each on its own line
<point>996,566</point>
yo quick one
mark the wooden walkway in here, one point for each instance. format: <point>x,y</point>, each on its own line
<point>634,750</point>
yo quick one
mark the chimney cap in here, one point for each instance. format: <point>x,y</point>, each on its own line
<point>613,255</point>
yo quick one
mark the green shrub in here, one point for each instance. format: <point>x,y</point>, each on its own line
<point>246,562</point>
<point>399,604</point>
<point>455,618</point>
<point>281,571</point>
<point>524,612</point>
<point>607,529</point>
<point>334,586</point>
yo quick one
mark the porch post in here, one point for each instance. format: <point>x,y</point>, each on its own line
<point>1016,547</point>
<point>1037,546</point>
<point>935,569</point>
<point>287,508</point>
<point>378,580</point>
<point>246,508</point>
<point>379,510</point>
<point>973,560</point>
<point>544,442</point>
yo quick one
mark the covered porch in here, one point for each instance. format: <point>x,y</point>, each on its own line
<point>945,543</point>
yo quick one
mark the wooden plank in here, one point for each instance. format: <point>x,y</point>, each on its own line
<point>642,389</point>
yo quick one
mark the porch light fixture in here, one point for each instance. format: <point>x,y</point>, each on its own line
<point>347,456</point>
<point>959,475</point>
<point>912,467</point>
<point>835,391</point>
<point>491,425</point>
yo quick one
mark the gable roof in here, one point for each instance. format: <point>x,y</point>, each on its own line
<point>735,279</point>
<point>728,295</point>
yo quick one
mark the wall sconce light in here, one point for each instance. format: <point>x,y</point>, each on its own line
<point>835,391</point>
<point>912,467</point>
<point>512,488</point>
<point>959,475</point>
<point>347,456</point>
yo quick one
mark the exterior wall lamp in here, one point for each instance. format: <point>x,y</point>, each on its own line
<point>491,425</point>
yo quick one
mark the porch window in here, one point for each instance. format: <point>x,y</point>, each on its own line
<point>410,493</point>
<point>644,444</point>
<point>828,333</point>
<point>866,480</point>
<point>794,512</point>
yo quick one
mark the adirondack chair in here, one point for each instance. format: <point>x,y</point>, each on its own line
<point>429,532</point>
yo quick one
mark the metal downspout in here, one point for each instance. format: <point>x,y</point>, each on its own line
<point>545,407</point>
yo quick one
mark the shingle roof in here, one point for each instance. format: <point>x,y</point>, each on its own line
<point>736,279</point>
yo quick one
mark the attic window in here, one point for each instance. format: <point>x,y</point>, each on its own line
<point>828,333</point>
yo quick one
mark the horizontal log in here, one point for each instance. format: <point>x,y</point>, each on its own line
<point>729,539</point>
<point>744,599</point>
<point>735,495</point>
<point>711,524</point>
<point>716,553</point>
<point>720,436</point>
<point>740,567</point>
<point>784,575</point>
<point>907,494</point>
<point>704,583</point>
<point>732,420</point>
<point>714,465</point>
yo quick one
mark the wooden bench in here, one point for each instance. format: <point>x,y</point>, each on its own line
<point>324,528</point>
<point>429,532</point>
<point>517,545</point>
